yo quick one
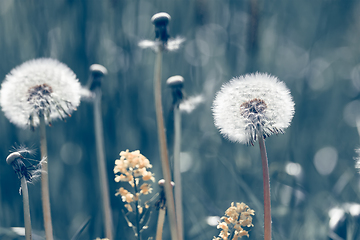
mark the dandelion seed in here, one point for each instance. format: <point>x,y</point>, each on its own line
<point>39,87</point>
<point>252,104</point>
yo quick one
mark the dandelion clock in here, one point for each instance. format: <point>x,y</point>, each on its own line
<point>33,94</point>
<point>251,108</point>
<point>41,87</point>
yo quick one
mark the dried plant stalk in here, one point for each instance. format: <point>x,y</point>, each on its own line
<point>163,146</point>
<point>27,220</point>
<point>177,173</point>
<point>266,183</point>
<point>45,181</point>
<point>99,136</point>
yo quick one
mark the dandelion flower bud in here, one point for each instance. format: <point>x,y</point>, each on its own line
<point>39,87</point>
<point>97,73</point>
<point>176,83</point>
<point>15,160</point>
<point>250,105</point>
<point>161,21</point>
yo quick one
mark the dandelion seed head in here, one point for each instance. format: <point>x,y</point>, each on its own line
<point>252,104</point>
<point>357,159</point>
<point>39,87</point>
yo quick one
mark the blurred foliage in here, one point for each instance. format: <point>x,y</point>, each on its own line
<point>313,46</point>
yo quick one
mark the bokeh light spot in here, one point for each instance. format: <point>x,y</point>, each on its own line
<point>213,220</point>
<point>71,153</point>
<point>325,160</point>
<point>293,169</point>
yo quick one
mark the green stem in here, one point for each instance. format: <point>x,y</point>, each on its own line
<point>27,220</point>
<point>266,185</point>
<point>45,181</point>
<point>177,172</point>
<point>104,184</point>
<point>163,147</point>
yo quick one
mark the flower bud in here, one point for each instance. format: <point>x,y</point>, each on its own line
<point>97,73</point>
<point>161,21</point>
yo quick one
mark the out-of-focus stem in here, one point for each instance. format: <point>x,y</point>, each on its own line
<point>45,181</point>
<point>104,184</point>
<point>163,147</point>
<point>137,214</point>
<point>177,172</point>
<point>160,223</point>
<point>266,185</point>
<point>27,220</point>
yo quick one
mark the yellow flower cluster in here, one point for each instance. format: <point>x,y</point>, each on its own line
<point>236,217</point>
<point>131,167</point>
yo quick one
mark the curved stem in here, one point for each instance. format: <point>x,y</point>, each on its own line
<point>45,181</point>
<point>177,172</point>
<point>163,146</point>
<point>266,184</point>
<point>104,184</point>
<point>27,219</point>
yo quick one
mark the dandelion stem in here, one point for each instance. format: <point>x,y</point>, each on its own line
<point>45,181</point>
<point>266,185</point>
<point>160,223</point>
<point>99,135</point>
<point>163,146</point>
<point>177,172</point>
<point>27,219</point>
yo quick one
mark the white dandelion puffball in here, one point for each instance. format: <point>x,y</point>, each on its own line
<point>39,87</point>
<point>250,105</point>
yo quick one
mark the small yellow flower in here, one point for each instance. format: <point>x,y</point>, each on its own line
<point>236,217</point>
<point>145,188</point>
<point>148,176</point>
<point>128,207</point>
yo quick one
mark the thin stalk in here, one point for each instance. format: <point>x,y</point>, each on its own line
<point>177,173</point>
<point>163,146</point>
<point>45,181</point>
<point>104,184</point>
<point>160,223</point>
<point>137,215</point>
<point>266,185</point>
<point>27,220</point>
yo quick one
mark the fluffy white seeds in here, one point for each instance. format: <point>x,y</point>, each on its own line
<point>40,87</point>
<point>250,105</point>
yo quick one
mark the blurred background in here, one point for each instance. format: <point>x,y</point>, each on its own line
<point>313,46</point>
